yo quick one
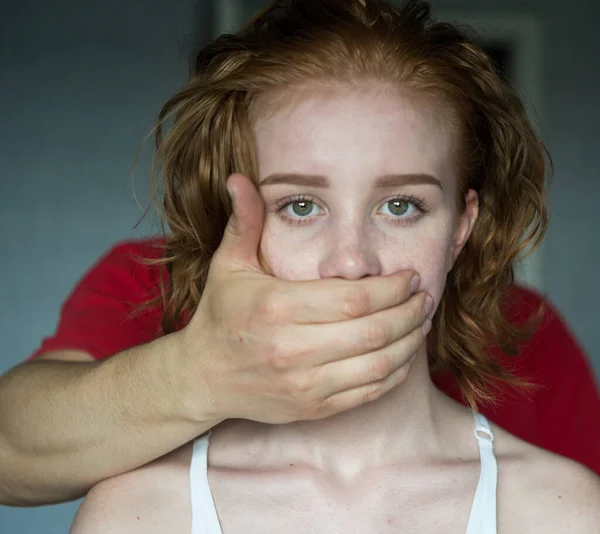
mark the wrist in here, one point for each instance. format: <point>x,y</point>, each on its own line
<point>188,377</point>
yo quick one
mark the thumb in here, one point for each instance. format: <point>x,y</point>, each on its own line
<point>241,239</point>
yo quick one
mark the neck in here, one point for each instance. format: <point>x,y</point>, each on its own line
<point>412,422</point>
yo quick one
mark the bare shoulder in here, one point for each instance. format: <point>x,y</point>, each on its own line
<point>539,491</point>
<point>152,499</point>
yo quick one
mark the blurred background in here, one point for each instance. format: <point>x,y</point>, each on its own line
<point>81,84</point>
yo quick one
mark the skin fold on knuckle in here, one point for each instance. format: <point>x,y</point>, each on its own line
<point>279,356</point>
<point>375,336</point>
<point>274,308</point>
<point>398,376</point>
<point>356,302</point>
<point>381,368</point>
<point>372,392</point>
<point>329,406</point>
<point>297,386</point>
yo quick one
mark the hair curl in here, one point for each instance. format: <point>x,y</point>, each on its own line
<point>204,135</point>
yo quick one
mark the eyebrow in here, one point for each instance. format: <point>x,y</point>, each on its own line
<point>387,180</point>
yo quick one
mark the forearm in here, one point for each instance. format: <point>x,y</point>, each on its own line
<point>66,426</point>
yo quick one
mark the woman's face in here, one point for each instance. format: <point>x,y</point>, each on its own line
<point>359,182</point>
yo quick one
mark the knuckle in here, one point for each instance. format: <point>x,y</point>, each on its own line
<point>401,374</point>
<point>327,407</point>
<point>356,302</point>
<point>376,335</point>
<point>273,308</point>
<point>380,368</point>
<point>297,386</point>
<point>372,392</point>
<point>279,358</point>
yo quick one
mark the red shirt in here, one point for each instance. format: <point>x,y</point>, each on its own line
<point>102,317</point>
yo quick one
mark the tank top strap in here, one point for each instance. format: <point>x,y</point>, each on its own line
<point>482,519</point>
<point>204,514</point>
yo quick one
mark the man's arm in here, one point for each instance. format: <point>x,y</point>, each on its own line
<point>64,426</point>
<point>256,348</point>
<point>58,416</point>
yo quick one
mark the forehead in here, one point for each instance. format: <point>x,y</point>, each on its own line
<point>340,130</point>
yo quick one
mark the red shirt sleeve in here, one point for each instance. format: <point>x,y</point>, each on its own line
<point>106,312</point>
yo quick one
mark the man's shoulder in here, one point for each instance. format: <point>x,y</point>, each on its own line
<point>128,269</point>
<point>526,305</point>
<point>152,499</point>
<point>540,491</point>
<point>552,343</point>
<point>148,248</point>
<point>126,261</point>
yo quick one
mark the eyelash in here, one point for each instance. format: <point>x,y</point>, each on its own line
<point>418,203</point>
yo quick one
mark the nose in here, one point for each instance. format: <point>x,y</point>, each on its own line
<point>351,255</point>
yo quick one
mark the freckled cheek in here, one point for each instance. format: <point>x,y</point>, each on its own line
<point>295,255</point>
<point>427,255</point>
<point>289,255</point>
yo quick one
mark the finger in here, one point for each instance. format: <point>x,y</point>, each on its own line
<point>376,366</point>
<point>354,397</point>
<point>316,345</point>
<point>240,243</point>
<point>333,299</point>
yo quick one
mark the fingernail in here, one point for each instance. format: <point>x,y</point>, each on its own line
<point>414,283</point>
<point>427,326</point>
<point>428,304</point>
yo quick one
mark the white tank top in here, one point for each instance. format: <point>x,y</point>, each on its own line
<point>482,519</point>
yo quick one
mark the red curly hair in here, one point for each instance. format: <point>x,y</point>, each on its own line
<point>209,137</point>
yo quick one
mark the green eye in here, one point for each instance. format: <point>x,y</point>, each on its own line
<point>398,206</point>
<point>302,208</point>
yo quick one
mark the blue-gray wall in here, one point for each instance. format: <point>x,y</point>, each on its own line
<point>80,85</point>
